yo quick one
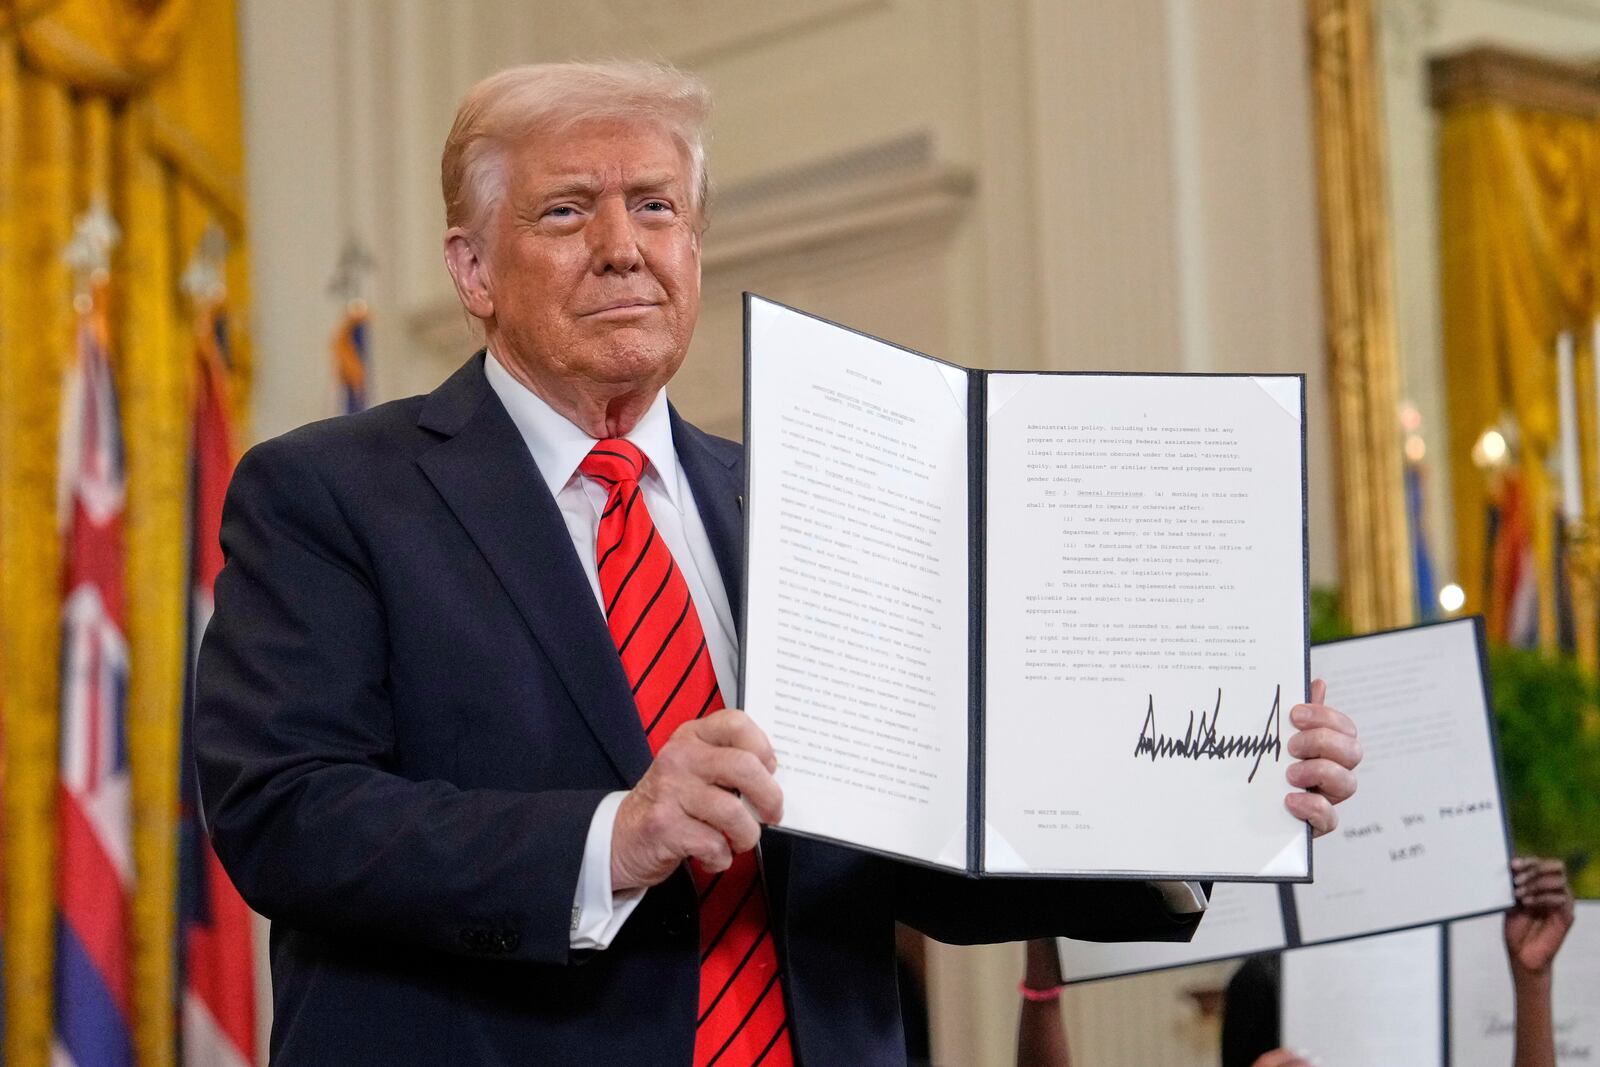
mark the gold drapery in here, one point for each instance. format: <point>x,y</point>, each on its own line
<point>1520,248</point>
<point>136,103</point>
<point>113,47</point>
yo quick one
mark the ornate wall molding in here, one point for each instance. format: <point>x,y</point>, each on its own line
<point>1581,8</point>
<point>693,31</point>
<point>1405,26</point>
<point>896,189</point>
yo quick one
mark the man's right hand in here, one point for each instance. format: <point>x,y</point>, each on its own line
<point>692,802</point>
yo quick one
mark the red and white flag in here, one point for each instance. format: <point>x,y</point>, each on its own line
<point>95,861</point>
<point>219,1019</point>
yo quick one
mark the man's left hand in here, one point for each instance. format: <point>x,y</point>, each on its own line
<point>1326,753</point>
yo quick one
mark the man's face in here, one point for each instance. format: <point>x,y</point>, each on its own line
<point>593,258</point>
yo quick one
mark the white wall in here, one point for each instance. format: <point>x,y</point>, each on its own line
<point>296,217</point>
<point>1008,183</point>
<point>1105,183</point>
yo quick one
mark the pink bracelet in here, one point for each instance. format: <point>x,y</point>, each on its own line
<point>1038,996</point>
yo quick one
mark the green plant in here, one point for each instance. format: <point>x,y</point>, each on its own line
<point>1546,710</point>
<point>1327,617</point>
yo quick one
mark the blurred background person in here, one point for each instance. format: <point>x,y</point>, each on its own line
<point>1534,932</point>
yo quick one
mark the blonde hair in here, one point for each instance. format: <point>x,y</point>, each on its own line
<point>508,106</point>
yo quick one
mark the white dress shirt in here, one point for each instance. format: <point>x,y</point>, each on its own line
<point>557,447</point>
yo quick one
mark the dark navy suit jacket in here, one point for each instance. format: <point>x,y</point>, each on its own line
<point>408,707</point>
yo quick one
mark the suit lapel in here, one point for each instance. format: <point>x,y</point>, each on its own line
<point>486,476</point>
<point>484,473</point>
<point>716,476</point>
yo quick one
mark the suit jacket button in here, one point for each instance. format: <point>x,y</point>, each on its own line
<point>509,940</point>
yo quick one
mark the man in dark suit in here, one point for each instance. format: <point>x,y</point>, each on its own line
<point>459,718</point>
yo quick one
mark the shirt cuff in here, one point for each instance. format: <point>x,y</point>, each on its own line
<point>1182,898</point>
<point>597,912</point>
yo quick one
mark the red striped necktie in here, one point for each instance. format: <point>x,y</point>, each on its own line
<point>663,649</point>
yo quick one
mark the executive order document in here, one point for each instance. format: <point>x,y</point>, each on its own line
<point>1024,623</point>
<point>1144,623</point>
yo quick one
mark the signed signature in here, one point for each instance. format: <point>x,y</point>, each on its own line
<point>1201,740</point>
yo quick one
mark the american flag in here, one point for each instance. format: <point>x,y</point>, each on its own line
<point>218,1024</point>
<point>95,861</point>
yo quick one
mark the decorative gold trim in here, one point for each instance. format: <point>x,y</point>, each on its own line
<point>1495,75</point>
<point>1358,312</point>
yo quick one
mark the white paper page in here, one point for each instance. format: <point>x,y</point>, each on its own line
<point>856,604</point>
<point>1482,1000</point>
<point>1145,580</point>
<point>1422,840</point>
<point>1372,1002</point>
<point>1241,919</point>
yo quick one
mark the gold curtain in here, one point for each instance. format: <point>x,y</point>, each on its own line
<point>135,103</point>
<point>1520,247</point>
